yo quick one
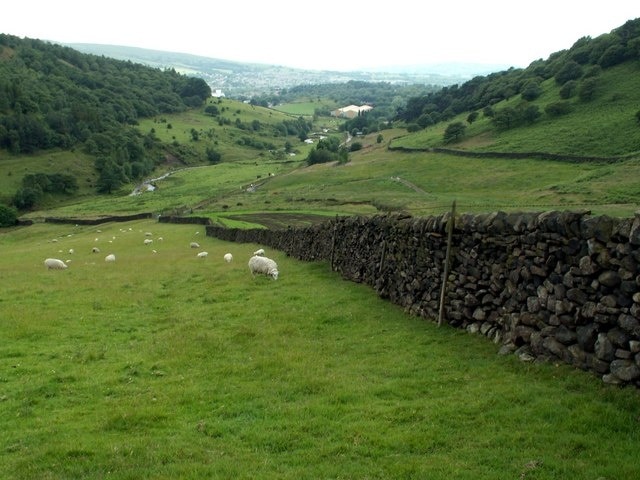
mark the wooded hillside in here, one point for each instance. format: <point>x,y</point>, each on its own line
<point>53,96</point>
<point>575,70</point>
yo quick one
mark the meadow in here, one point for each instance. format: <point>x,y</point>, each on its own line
<point>375,180</point>
<point>164,365</point>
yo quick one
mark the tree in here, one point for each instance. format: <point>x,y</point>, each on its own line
<point>587,89</point>
<point>556,109</point>
<point>26,197</point>
<point>530,113</point>
<point>212,110</point>
<point>112,176</point>
<point>8,216</point>
<point>213,156</point>
<point>454,132</point>
<point>569,89</point>
<point>531,90</point>
<point>506,118</point>
<point>569,71</point>
<point>472,117</point>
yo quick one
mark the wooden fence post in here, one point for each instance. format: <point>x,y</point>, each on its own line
<point>447,261</point>
<point>333,243</point>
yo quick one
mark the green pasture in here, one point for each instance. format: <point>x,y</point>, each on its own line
<point>304,108</point>
<point>13,168</point>
<point>177,129</point>
<point>164,365</point>
<point>376,181</point>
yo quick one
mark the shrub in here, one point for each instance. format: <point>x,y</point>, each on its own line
<point>557,108</point>
<point>8,216</point>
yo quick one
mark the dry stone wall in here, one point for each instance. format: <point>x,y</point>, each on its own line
<point>560,286</point>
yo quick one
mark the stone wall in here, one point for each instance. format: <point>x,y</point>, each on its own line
<point>560,286</point>
<point>98,221</point>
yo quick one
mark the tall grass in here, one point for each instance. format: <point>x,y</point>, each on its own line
<point>164,366</point>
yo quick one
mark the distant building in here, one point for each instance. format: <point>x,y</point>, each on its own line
<point>351,111</point>
<point>217,93</point>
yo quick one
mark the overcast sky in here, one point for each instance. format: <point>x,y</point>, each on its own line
<point>326,34</point>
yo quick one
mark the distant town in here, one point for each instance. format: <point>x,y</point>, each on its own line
<point>238,80</point>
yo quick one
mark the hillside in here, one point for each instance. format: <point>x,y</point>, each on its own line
<point>252,160</point>
<point>581,101</point>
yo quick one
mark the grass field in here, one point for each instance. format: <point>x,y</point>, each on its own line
<point>162,365</point>
<point>377,180</point>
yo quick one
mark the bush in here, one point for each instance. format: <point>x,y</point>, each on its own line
<point>558,108</point>
<point>8,216</point>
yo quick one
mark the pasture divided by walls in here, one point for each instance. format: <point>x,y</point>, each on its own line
<point>560,286</point>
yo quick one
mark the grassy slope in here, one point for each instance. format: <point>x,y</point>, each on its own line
<point>605,126</point>
<point>168,366</point>
<point>368,184</point>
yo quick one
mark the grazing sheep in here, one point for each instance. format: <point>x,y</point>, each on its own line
<point>110,258</point>
<point>228,257</point>
<point>95,250</point>
<point>194,245</point>
<point>259,252</point>
<point>148,241</point>
<point>54,264</point>
<point>71,251</point>
<point>263,265</point>
<point>202,254</point>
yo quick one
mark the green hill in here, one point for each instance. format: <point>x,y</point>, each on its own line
<point>251,160</point>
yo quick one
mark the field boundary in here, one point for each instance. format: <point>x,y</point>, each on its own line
<point>546,286</point>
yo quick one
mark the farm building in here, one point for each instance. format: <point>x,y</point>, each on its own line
<point>351,111</point>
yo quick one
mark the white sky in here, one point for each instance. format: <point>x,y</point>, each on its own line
<point>326,34</point>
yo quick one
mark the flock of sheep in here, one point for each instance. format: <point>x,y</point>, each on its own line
<point>259,264</point>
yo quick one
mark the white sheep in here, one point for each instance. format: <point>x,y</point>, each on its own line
<point>95,250</point>
<point>194,245</point>
<point>202,254</point>
<point>148,241</point>
<point>54,264</point>
<point>228,257</point>
<point>71,251</point>
<point>259,252</point>
<point>263,265</point>
<point>110,258</point>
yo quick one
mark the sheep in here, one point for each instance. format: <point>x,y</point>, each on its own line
<point>228,257</point>
<point>194,245</point>
<point>259,252</point>
<point>263,265</point>
<point>202,254</point>
<point>95,250</point>
<point>71,251</point>
<point>148,241</point>
<point>110,258</point>
<point>55,264</point>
